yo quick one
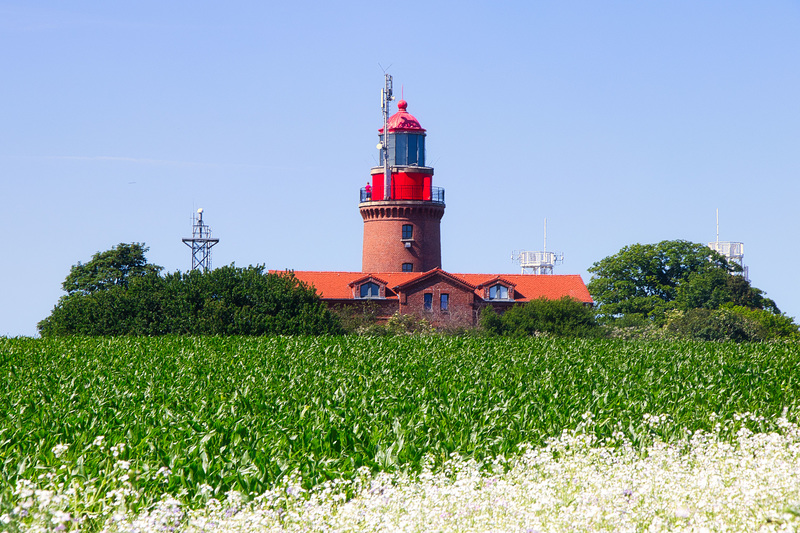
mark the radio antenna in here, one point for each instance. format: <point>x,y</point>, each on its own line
<point>386,100</point>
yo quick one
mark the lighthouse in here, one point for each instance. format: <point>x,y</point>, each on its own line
<point>401,264</point>
<point>401,209</point>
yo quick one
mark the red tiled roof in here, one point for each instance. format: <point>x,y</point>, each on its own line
<point>336,285</point>
<point>495,279</point>
<point>365,277</point>
<point>531,286</point>
<point>435,272</point>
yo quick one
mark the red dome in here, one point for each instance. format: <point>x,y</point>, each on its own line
<point>403,120</point>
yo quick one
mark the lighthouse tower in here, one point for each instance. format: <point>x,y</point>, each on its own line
<point>401,208</point>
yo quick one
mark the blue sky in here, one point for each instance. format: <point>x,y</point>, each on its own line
<point>618,121</point>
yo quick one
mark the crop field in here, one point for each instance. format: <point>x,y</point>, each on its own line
<point>114,433</point>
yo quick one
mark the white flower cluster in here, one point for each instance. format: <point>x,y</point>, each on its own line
<point>574,483</point>
<point>655,421</point>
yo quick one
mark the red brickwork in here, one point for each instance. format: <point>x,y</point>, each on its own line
<point>384,249</point>
<point>461,301</point>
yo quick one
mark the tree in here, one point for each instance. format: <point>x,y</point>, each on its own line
<point>247,301</point>
<point>644,281</point>
<point>119,293</point>
<point>112,268</point>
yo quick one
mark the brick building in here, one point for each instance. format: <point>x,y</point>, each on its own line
<point>442,298</point>
<point>401,267</point>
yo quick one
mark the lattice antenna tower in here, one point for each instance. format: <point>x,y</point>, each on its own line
<point>383,146</point>
<point>732,251</point>
<point>539,262</point>
<point>201,243</point>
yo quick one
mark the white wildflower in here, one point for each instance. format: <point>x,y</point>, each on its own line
<point>60,449</point>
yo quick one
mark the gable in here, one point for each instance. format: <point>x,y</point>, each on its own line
<point>434,277</point>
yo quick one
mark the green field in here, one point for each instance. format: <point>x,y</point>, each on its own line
<point>194,417</point>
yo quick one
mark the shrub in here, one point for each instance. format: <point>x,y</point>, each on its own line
<point>772,325</point>
<point>400,324</point>
<point>713,325</point>
<point>565,317</point>
<point>490,321</point>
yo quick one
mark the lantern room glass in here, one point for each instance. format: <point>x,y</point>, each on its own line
<point>405,149</point>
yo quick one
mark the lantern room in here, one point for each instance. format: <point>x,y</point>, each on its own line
<point>405,146</point>
<point>406,142</point>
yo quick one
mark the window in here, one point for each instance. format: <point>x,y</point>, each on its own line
<point>408,232</point>
<point>408,267</point>
<point>427,300</point>
<point>370,290</point>
<point>498,292</point>
<point>406,149</point>
<point>444,301</point>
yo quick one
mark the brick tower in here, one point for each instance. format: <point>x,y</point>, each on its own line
<point>401,209</point>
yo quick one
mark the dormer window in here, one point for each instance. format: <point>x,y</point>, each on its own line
<point>370,290</point>
<point>498,292</point>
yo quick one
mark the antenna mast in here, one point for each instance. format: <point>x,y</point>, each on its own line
<point>539,262</point>
<point>386,99</point>
<point>201,243</point>
<point>732,251</point>
<point>545,236</point>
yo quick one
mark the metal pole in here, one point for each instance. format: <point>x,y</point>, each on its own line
<point>387,174</point>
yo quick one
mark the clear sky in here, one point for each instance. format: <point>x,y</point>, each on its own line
<point>619,122</point>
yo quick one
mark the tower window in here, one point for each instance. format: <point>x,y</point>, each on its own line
<point>408,267</point>
<point>444,301</point>
<point>498,292</point>
<point>427,301</point>
<point>408,232</point>
<point>370,290</point>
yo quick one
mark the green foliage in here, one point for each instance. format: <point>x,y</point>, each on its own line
<point>772,325</point>
<point>360,318</point>
<point>246,301</point>
<point>490,321</point>
<point>727,323</point>
<point>648,280</point>
<point>408,324</point>
<point>112,268</point>
<point>744,295</point>
<point>713,325</point>
<point>224,301</point>
<point>240,412</point>
<point>565,317</point>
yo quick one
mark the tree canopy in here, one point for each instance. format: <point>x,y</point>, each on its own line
<point>112,268</point>
<point>119,293</point>
<point>644,281</point>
